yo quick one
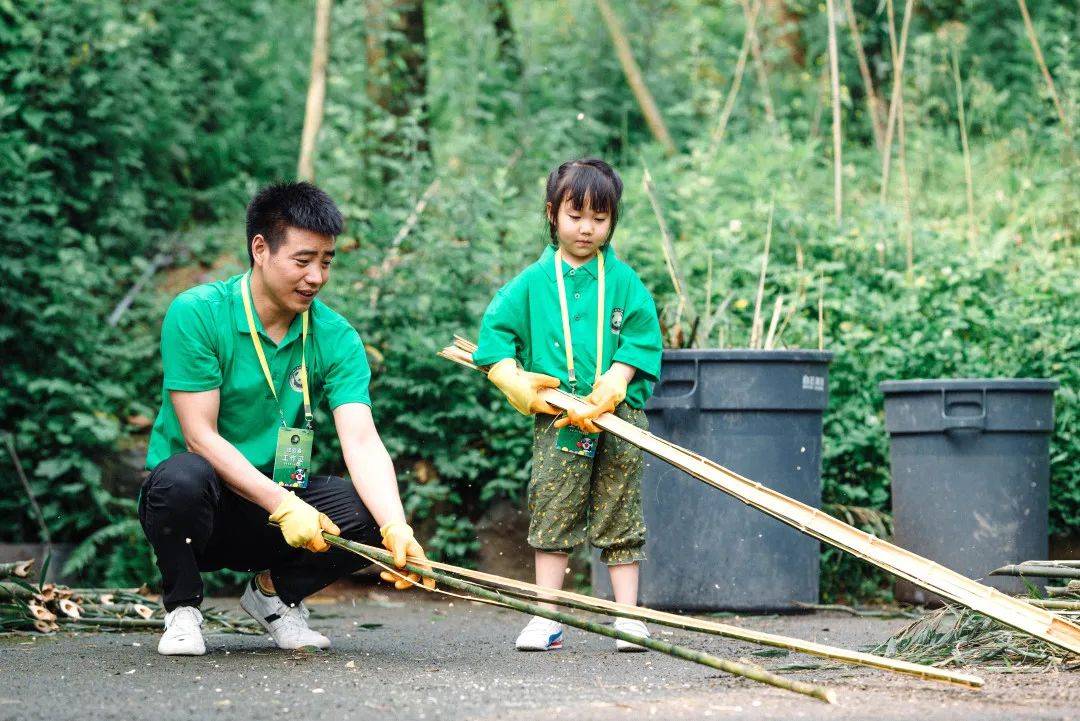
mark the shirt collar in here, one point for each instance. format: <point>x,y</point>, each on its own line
<point>547,261</point>
<point>240,317</point>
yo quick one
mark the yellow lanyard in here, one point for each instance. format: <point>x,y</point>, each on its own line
<point>568,344</point>
<point>246,295</point>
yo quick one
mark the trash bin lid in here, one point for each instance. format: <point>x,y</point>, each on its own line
<point>969,384</point>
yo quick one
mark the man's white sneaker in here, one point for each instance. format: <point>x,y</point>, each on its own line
<point>633,627</point>
<point>287,626</point>
<point>182,636</point>
<point>540,635</point>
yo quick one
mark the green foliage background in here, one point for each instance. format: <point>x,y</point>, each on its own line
<point>124,123</point>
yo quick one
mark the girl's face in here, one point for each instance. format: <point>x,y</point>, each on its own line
<point>580,232</point>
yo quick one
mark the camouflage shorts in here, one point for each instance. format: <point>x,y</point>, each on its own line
<point>573,498</point>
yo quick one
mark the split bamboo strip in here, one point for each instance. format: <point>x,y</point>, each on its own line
<point>771,335</point>
<point>834,78</point>
<point>1029,28</point>
<point>1037,571</point>
<point>903,563</point>
<point>755,325</point>
<point>16,569</point>
<point>754,673</point>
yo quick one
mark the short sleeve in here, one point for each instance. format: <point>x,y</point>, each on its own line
<point>640,340</point>
<point>348,375</point>
<point>502,330</point>
<point>189,354</point>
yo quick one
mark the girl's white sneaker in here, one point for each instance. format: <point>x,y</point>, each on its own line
<point>633,627</point>
<point>541,634</point>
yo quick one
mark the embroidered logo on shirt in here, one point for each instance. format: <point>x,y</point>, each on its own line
<point>294,380</point>
<point>616,320</point>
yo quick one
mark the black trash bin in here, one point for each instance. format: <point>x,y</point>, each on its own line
<point>758,413</point>
<point>970,464</point>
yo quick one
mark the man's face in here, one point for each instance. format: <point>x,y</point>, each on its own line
<point>297,270</point>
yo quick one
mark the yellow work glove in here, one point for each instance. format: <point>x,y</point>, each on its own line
<point>302,525</point>
<point>522,388</point>
<point>398,538</point>
<point>608,392</point>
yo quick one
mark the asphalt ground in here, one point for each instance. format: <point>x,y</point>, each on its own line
<point>404,656</point>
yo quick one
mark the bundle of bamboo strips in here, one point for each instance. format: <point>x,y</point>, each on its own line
<point>48,607</point>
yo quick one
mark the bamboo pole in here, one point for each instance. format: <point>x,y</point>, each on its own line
<point>834,76</point>
<point>313,110</point>
<point>754,673</point>
<point>736,80</point>
<point>1036,571</point>
<point>821,312</point>
<point>16,569</point>
<point>968,182</point>
<point>1029,28</point>
<point>895,100</point>
<point>771,335</point>
<point>1054,604</point>
<point>759,67</point>
<point>649,109</point>
<point>755,331</point>
<point>873,102</point>
<point>812,521</point>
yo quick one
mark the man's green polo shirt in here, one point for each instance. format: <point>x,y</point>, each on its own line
<point>205,344</point>
<point>523,322</point>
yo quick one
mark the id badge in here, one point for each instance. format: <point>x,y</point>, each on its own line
<point>292,460</point>
<point>576,441</point>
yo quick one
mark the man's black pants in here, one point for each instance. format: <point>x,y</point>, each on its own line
<point>196,523</point>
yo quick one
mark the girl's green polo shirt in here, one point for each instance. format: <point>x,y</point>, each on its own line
<point>523,322</point>
<point>205,345</point>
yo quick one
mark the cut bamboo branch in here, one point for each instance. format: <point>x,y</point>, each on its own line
<point>754,673</point>
<point>755,325</point>
<point>898,57</point>
<point>737,76</point>
<point>9,441</point>
<point>1029,28</point>
<point>668,248</point>
<point>961,120</point>
<point>69,608</point>
<point>814,522</point>
<point>873,102</point>
<point>313,110</point>
<point>649,109</point>
<point>771,335</point>
<point>1054,604</point>
<point>16,569</point>
<point>834,77</point>
<point>1036,571</point>
<point>759,67</point>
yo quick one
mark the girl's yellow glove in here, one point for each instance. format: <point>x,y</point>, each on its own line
<point>608,392</point>
<point>398,538</point>
<point>522,388</point>
<point>302,525</point>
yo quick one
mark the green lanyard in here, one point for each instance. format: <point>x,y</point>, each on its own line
<point>246,294</point>
<point>568,343</point>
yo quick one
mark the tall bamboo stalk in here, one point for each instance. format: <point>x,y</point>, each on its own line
<point>754,673</point>
<point>834,74</point>
<point>895,101</point>
<point>755,325</point>
<point>759,67</point>
<point>667,246</point>
<point>1029,28</point>
<point>313,111</point>
<point>901,125</point>
<point>649,109</point>
<point>736,80</point>
<point>873,102</point>
<point>964,146</point>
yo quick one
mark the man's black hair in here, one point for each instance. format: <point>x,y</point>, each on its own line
<point>300,205</point>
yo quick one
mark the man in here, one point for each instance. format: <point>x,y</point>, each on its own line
<point>244,362</point>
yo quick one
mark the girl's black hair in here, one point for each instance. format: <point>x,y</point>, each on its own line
<point>579,180</point>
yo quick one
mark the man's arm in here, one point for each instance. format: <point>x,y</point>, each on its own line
<point>198,413</point>
<point>369,464</point>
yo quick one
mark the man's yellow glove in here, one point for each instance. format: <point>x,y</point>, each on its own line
<point>522,388</point>
<point>608,392</point>
<point>398,538</point>
<point>302,525</point>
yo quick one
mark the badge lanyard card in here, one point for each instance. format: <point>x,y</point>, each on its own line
<point>569,438</point>
<point>292,457</point>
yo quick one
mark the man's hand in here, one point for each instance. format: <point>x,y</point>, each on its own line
<point>608,392</point>
<point>398,538</point>
<point>522,388</point>
<point>302,525</point>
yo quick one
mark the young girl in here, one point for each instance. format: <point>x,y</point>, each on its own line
<point>581,320</point>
